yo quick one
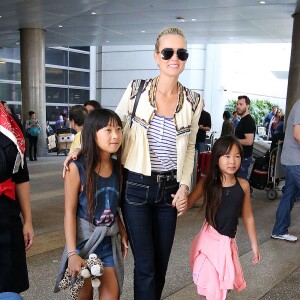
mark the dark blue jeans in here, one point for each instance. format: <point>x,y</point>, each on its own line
<point>243,172</point>
<point>150,221</point>
<point>290,192</point>
<point>201,147</point>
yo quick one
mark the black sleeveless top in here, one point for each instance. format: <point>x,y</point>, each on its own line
<point>226,218</point>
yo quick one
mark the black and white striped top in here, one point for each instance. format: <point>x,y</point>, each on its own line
<point>162,143</point>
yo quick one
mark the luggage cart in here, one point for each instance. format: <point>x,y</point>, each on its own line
<point>64,139</point>
<point>276,172</point>
<point>268,171</point>
<point>209,141</point>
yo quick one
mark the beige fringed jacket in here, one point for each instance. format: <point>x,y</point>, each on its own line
<point>136,155</point>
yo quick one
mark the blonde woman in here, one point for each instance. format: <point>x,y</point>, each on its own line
<point>158,161</point>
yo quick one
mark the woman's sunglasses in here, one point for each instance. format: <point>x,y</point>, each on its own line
<point>167,53</point>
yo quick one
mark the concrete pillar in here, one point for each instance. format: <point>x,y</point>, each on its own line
<point>32,48</point>
<point>93,73</point>
<point>99,70</point>
<point>293,90</point>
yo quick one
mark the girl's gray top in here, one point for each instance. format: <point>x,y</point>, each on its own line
<point>94,235</point>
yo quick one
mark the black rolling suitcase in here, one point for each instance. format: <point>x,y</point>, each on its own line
<point>259,175</point>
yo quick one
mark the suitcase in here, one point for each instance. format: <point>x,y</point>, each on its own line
<point>203,164</point>
<point>259,175</point>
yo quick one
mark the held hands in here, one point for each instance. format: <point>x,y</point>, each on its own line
<point>180,200</point>
<point>124,245</point>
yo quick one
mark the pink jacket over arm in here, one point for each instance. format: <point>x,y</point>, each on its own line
<point>215,264</point>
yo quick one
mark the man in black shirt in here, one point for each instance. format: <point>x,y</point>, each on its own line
<point>204,125</point>
<point>245,132</point>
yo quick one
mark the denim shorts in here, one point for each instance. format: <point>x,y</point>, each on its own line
<point>10,296</point>
<point>103,251</point>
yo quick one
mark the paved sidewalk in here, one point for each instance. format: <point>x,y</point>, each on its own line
<point>276,277</point>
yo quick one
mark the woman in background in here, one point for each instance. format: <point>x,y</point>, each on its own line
<point>33,129</point>
<point>15,237</point>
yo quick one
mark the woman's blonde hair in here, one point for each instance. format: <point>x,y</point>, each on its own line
<point>168,31</point>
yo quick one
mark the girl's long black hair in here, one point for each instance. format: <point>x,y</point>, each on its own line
<point>95,121</point>
<point>212,185</point>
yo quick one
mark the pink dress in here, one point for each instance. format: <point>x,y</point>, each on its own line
<point>215,264</point>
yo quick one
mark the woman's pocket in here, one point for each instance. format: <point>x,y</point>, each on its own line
<point>136,193</point>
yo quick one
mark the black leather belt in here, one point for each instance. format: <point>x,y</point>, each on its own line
<point>164,176</point>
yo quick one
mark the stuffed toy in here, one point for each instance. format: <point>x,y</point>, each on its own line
<point>94,269</point>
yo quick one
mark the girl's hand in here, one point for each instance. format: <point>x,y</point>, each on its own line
<point>75,262</point>
<point>181,200</point>
<point>124,245</point>
<point>256,256</point>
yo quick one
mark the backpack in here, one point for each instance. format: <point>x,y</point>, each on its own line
<point>34,131</point>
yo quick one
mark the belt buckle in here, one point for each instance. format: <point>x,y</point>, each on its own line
<point>158,178</point>
<point>171,177</point>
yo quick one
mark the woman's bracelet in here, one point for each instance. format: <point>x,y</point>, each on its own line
<point>74,253</point>
<point>71,253</point>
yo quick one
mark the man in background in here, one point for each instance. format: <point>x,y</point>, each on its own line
<point>204,125</point>
<point>245,132</point>
<point>235,119</point>
<point>77,116</point>
<point>290,158</point>
<point>92,105</point>
<point>66,122</point>
<point>269,117</point>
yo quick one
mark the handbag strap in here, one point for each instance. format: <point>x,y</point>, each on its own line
<point>137,98</point>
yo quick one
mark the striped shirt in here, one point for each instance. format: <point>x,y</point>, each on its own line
<point>162,143</point>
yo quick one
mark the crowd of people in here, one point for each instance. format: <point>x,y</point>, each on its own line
<point>128,174</point>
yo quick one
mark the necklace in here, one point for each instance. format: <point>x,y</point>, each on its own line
<point>227,191</point>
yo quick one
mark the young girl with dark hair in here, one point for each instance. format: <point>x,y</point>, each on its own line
<point>214,254</point>
<point>92,194</point>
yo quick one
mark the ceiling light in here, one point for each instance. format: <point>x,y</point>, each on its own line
<point>262,2</point>
<point>143,31</point>
<point>17,43</point>
<point>107,41</point>
<point>193,20</point>
<point>93,13</point>
<point>60,26</point>
<point>231,38</point>
<point>180,19</point>
<point>2,62</point>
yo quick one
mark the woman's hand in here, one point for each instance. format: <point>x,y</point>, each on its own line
<point>28,234</point>
<point>71,156</point>
<point>181,199</point>
<point>75,262</point>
